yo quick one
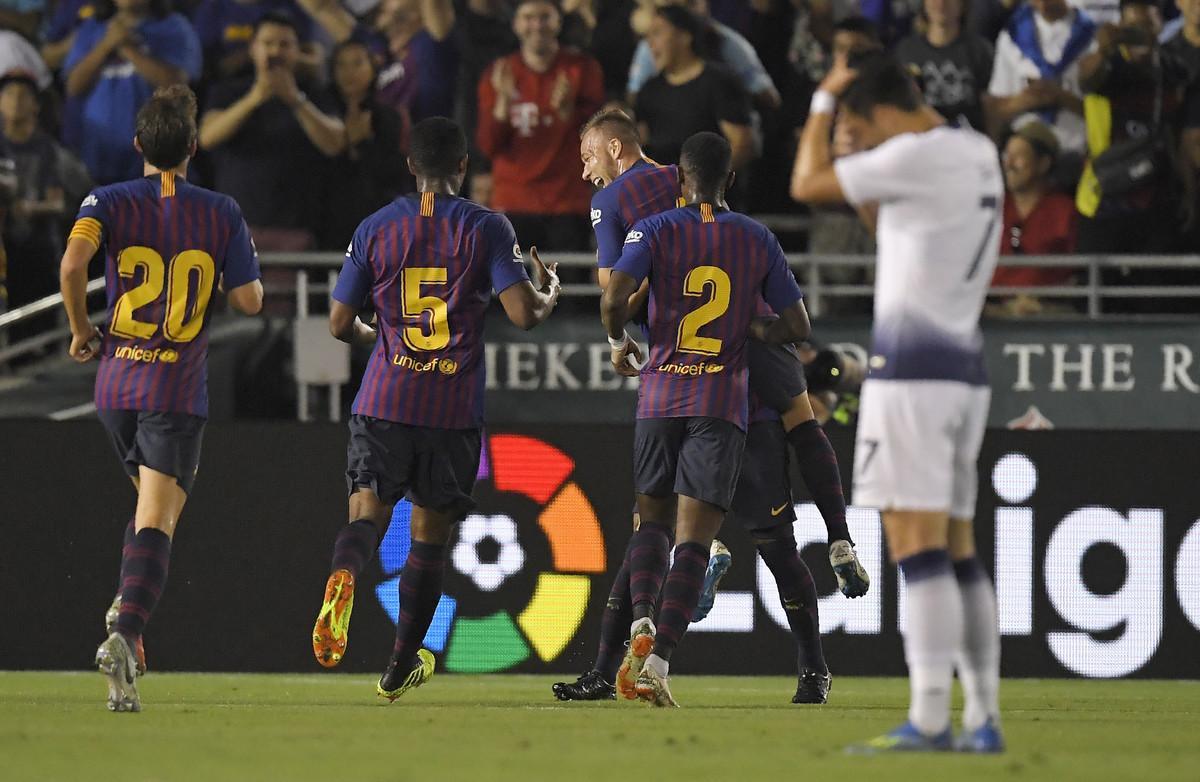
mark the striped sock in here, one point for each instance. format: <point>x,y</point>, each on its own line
<point>420,591</point>
<point>798,594</point>
<point>145,574</point>
<point>354,547</point>
<point>819,468</point>
<point>680,595</point>
<point>615,621</point>
<point>130,531</point>
<point>648,554</point>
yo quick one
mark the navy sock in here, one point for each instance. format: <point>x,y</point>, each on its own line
<point>420,591</point>
<point>680,595</point>
<point>819,468</point>
<point>615,621</point>
<point>145,569</point>
<point>354,547</point>
<point>648,557</point>
<point>798,594</point>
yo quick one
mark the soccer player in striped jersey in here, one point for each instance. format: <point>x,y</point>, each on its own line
<point>708,271</point>
<point>633,187</point>
<point>168,247</point>
<point>939,191</point>
<point>428,264</point>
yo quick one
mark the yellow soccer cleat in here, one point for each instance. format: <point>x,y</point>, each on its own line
<point>641,643</point>
<point>331,632</point>
<point>421,672</point>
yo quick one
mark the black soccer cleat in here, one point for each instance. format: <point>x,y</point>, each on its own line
<point>590,686</point>
<point>813,687</point>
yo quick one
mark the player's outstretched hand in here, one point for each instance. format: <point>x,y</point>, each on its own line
<point>628,359</point>
<point>82,348</point>
<point>545,277</point>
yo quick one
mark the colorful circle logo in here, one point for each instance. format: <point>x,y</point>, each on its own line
<point>540,473</point>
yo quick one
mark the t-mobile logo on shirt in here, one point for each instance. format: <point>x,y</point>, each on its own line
<point>524,117</point>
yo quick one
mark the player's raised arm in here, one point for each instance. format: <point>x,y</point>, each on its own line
<point>813,178</point>
<point>527,306</point>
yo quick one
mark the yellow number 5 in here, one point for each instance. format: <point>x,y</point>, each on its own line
<point>178,325</point>
<point>416,305</point>
<point>715,282</point>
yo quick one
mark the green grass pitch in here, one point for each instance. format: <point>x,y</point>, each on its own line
<point>53,726</point>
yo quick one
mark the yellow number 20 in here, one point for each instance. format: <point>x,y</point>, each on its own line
<point>416,305</point>
<point>178,325</point>
<point>699,281</point>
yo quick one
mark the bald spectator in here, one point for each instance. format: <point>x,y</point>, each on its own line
<point>531,105</point>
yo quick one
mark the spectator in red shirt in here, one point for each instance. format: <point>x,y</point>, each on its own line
<point>531,105</point>
<point>1037,219</point>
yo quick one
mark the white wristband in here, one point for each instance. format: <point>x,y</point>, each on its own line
<point>823,102</point>
<point>617,344</point>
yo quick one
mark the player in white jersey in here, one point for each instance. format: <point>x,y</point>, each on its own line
<point>936,192</point>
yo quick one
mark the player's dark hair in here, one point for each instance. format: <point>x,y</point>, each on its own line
<point>278,18</point>
<point>519,3</point>
<point>1143,3</point>
<point>706,159</point>
<point>860,25</point>
<point>882,81</point>
<point>436,146</point>
<point>105,9</point>
<point>615,123</point>
<point>685,21</point>
<point>166,126</point>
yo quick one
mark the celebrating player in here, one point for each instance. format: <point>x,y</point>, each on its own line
<point>633,187</point>
<point>428,263</point>
<point>924,405</point>
<point>168,246</point>
<point>708,270</point>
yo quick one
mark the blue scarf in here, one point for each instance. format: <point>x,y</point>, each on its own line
<point>1022,28</point>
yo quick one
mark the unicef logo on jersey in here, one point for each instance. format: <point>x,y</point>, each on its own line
<point>633,236</point>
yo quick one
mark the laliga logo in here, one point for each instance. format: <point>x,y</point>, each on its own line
<point>536,472</point>
<point>1111,632</point>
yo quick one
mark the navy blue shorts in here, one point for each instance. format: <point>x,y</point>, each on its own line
<point>433,468</point>
<point>763,498</point>
<point>165,442</point>
<point>697,457</point>
<point>776,374</point>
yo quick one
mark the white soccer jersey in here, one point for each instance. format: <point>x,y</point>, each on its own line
<point>940,196</point>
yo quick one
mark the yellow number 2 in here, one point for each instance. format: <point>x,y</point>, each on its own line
<point>416,305</point>
<point>699,281</point>
<point>177,324</point>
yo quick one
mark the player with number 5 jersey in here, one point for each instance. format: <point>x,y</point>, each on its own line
<point>168,247</point>
<point>428,264</point>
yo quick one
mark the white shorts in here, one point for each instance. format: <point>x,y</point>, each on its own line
<point>917,445</point>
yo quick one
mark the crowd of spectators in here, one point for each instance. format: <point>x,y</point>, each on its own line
<point>306,106</point>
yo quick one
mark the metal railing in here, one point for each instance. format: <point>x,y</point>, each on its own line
<point>316,274</point>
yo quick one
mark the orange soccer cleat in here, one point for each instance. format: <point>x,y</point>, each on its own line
<point>331,631</point>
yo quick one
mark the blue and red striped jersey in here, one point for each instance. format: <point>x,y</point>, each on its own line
<point>429,264</point>
<point>644,189</point>
<point>167,245</point>
<point>709,271</point>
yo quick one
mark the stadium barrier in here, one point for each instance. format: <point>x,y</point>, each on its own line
<point>1093,537</point>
